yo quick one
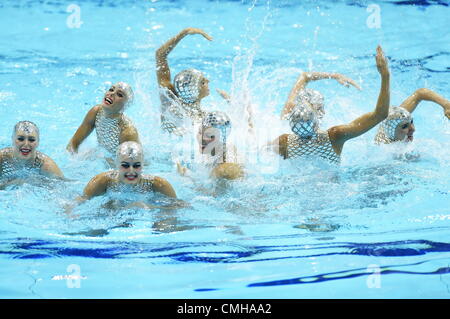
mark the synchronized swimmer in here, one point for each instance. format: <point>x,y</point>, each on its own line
<point>181,99</point>
<point>180,102</point>
<point>23,158</point>
<point>111,125</point>
<point>308,140</point>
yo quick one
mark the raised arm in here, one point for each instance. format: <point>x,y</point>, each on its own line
<point>341,133</point>
<point>86,128</point>
<point>162,65</point>
<point>306,77</point>
<point>420,95</point>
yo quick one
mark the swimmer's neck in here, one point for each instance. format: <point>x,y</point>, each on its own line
<point>111,115</point>
<point>24,161</point>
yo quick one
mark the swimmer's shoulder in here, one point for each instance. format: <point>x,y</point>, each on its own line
<point>6,152</point>
<point>48,165</point>
<point>161,185</point>
<point>128,132</point>
<point>91,115</point>
<point>230,171</point>
<point>98,185</point>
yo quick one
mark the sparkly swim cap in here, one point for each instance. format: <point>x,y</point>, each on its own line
<point>218,120</point>
<point>187,85</point>
<point>386,130</point>
<point>128,91</point>
<point>26,126</point>
<point>314,98</point>
<point>303,121</point>
<point>129,149</point>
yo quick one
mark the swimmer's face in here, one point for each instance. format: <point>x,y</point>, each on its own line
<point>130,169</point>
<point>319,109</point>
<point>115,99</point>
<point>207,139</point>
<point>405,131</point>
<point>203,90</point>
<point>25,144</point>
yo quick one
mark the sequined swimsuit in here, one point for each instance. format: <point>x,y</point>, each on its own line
<point>381,137</point>
<point>174,112</point>
<point>320,146</point>
<point>145,184</point>
<point>108,130</point>
<point>12,168</point>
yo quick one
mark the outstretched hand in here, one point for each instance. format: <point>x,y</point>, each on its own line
<point>345,81</point>
<point>198,31</point>
<point>447,113</point>
<point>223,94</point>
<point>181,169</point>
<point>382,62</point>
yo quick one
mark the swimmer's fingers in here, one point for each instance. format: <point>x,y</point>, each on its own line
<point>70,149</point>
<point>223,94</point>
<point>199,31</point>
<point>345,81</point>
<point>447,113</point>
<point>181,170</point>
<point>382,63</point>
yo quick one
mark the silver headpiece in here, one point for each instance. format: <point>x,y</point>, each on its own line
<point>386,130</point>
<point>314,98</point>
<point>128,91</point>
<point>218,120</point>
<point>303,121</point>
<point>27,127</point>
<point>187,85</point>
<point>129,149</point>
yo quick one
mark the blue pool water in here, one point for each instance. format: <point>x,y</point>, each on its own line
<point>373,228</point>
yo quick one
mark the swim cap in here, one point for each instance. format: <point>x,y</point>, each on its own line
<point>187,85</point>
<point>386,130</point>
<point>128,91</point>
<point>130,149</point>
<point>314,98</point>
<point>219,120</point>
<point>303,121</point>
<point>26,126</point>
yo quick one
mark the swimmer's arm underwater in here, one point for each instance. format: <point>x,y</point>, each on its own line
<point>16,181</point>
<point>305,78</point>
<point>411,103</point>
<point>341,133</point>
<point>162,65</point>
<point>86,128</point>
<point>97,186</point>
